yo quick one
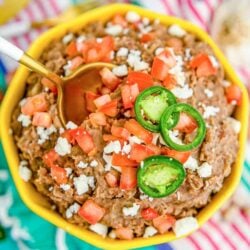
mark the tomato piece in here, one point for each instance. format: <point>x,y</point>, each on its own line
<point>186,123</point>
<point>109,79</point>
<point>112,179</point>
<point>149,213</point>
<point>123,161</point>
<point>84,140</point>
<point>49,84</point>
<point>92,56</point>
<point>169,82</point>
<point>120,132</point>
<point>128,179</point>
<point>124,233</point>
<point>89,98</point>
<point>143,80</point>
<point>98,118</point>
<point>167,57</point>
<point>119,19</point>
<point>179,156</point>
<point>91,212</point>
<point>140,152</point>
<point>71,49</point>
<point>155,149</point>
<point>234,94</point>
<point>129,94</point>
<point>136,129</point>
<point>110,108</point>
<point>147,37</point>
<point>159,69</point>
<point>36,103</point>
<point>102,100</point>
<point>59,174</point>
<point>76,62</point>
<point>50,157</point>
<point>198,60</point>
<point>163,223</point>
<point>42,119</point>
<point>109,138</point>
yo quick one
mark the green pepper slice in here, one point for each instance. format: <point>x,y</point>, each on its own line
<point>159,176</point>
<point>166,127</point>
<point>149,106</point>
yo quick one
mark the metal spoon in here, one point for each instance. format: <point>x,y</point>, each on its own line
<point>70,100</point>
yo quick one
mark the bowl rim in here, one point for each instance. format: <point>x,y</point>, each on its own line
<point>14,92</point>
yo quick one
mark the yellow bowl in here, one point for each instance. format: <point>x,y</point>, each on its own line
<point>37,203</point>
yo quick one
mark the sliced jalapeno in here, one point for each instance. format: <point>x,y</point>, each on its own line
<point>160,176</point>
<point>150,105</point>
<point>166,126</point>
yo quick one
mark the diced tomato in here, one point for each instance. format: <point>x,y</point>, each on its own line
<point>167,57</point>
<point>89,98</point>
<point>163,223</point>
<point>186,123</point>
<point>234,94</point>
<point>71,49</point>
<point>50,157</point>
<point>123,161</point>
<point>129,94</point>
<point>149,213</point>
<point>140,152</point>
<point>203,65</point>
<point>92,56</point>
<point>76,62</point>
<point>124,233</point>
<point>110,108</point>
<point>154,148</point>
<point>49,84</point>
<point>159,69</point>
<point>136,129</point>
<point>147,37</point>
<point>107,45</point>
<point>42,119</point>
<point>119,19</point>
<point>84,140</point>
<point>112,179</point>
<point>98,118</point>
<point>109,138</point>
<point>59,174</point>
<point>169,82</point>
<point>36,103</point>
<point>128,179</point>
<point>91,212</point>
<point>179,156</point>
<point>109,79</point>
<point>175,43</point>
<point>143,80</point>
<point>120,132</point>
<point>102,100</point>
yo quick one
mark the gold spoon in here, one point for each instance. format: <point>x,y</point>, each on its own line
<point>71,89</point>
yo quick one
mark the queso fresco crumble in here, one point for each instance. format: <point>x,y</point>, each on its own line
<point>159,140</point>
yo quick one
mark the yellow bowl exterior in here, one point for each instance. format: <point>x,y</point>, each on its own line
<point>37,203</point>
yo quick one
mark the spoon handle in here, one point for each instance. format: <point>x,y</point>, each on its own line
<point>18,55</point>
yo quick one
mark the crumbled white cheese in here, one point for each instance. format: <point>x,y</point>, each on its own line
<point>62,146</point>
<point>173,134</point>
<point>44,133</point>
<point>191,163</point>
<point>24,119</point>
<point>176,30</point>
<point>66,39</point>
<point>214,62</point>
<point>236,125</point>
<point>159,50</point>
<point>132,17</point>
<point>82,164</point>
<point>122,52</point>
<point>121,70</point>
<point>141,65</point>
<point>126,148</point>
<point>131,211</point>
<point>185,225</point>
<point>112,234</point>
<point>67,68</point>
<point>225,83</point>
<point>80,39</point>
<point>187,53</point>
<point>91,181</point>
<point>82,183</point>
<point>73,209</point>
<point>108,161</point>
<point>93,163</point>
<point>71,125</point>
<point>24,172</point>
<point>68,171</point>
<point>143,196</point>
<point>182,93</point>
<point>65,187</point>
<point>61,130</point>
<point>113,146</point>
<point>114,30</point>
<point>177,70</point>
<point>208,93</point>
<point>205,170</point>
<point>100,229</point>
<point>149,232</point>
<point>22,102</point>
<point>134,60</point>
<point>210,111</point>
<point>134,139</point>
